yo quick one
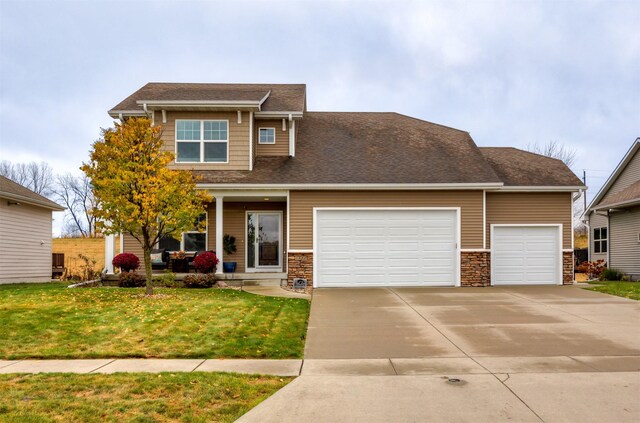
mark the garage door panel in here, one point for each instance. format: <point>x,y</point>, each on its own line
<point>386,248</point>
<point>525,255</point>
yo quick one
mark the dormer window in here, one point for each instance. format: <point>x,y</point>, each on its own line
<point>267,136</point>
<point>202,141</point>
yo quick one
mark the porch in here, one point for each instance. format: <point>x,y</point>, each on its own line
<point>256,220</point>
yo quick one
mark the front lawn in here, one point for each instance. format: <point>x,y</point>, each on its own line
<point>140,397</point>
<point>52,321</point>
<point>621,289</point>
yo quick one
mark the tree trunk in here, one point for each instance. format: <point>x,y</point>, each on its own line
<point>147,267</point>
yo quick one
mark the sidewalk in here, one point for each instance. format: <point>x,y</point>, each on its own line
<point>265,367</point>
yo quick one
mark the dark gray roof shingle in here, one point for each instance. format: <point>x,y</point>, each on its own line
<point>13,190</point>
<point>343,148</point>
<point>282,97</point>
<point>522,168</point>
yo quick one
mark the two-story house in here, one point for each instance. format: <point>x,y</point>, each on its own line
<point>613,217</point>
<point>359,199</point>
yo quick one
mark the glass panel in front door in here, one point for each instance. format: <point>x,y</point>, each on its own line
<point>268,239</point>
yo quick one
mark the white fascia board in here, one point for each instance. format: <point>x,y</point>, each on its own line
<point>623,163</point>
<point>274,115</point>
<point>26,200</point>
<point>167,104</point>
<point>516,188</point>
<point>116,113</point>
<point>628,203</point>
<point>351,186</point>
<point>264,98</point>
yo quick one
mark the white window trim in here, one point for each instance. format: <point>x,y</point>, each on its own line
<point>266,142</point>
<point>259,269</point>
<point>202,141</point>
<point>606,239</point>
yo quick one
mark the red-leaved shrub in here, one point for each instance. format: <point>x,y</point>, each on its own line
<point>126,262</point>
<point>206,262</point>
<point>593,269</point>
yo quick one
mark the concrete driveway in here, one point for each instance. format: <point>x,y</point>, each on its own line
<point>523,354</point>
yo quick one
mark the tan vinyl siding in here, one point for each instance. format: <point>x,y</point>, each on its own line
<point>234,224</point>
<point>629,176</point>
<point>596,221</point>
<point>131,245</point>
<point>23,256</point>
<point>531,207</point>
<point>281,147</point>
<point>624,230</point>
<point>302,204</point>
<point>238,138</point>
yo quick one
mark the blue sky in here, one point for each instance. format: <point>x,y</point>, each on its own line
<point>511,73</point>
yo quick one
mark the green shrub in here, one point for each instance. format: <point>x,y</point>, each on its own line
<point>167,280</point>
<point>609,274</point>
<point>131,280</point>
<point>199,280</point>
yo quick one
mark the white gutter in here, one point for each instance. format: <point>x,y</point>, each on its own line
<point>512,188</point>
<point>400,187</point>
<point>26,200</point>
<point>283,114</point>
<point>201,103</point>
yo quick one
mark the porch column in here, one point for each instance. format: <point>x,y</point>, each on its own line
<point>219,233</point>
<point>109,252</point>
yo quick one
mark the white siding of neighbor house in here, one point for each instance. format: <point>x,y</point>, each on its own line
<point>23,256</point>
<point>596,221</point>
<point>625,247</point>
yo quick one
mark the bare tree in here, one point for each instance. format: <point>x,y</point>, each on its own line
<point>38,177</point>
<point>555,150</point>
<point>76,194</point>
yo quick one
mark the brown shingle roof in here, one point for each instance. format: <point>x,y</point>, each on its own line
<point>282,97</point>
<point>522,168</point>
<point>348,148</point>
<point>627,195</point>
<point>15,191</point>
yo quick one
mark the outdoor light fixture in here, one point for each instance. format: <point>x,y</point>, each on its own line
<point>13,203</point>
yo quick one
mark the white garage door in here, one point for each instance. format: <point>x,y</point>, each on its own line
<point>386,248</point>
<point>523,255</point>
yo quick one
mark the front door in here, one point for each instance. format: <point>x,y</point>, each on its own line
<point>264,241</point>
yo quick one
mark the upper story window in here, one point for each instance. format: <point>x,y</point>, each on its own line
<point>202,141</point>
<point>267,136</point>
<point>600,240</point>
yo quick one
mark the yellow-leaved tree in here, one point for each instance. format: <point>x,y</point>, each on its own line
<point>136,193</point>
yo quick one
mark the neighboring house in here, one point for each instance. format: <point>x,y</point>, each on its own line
<point>613,217</point>
<point>25,234</point>
<point>359,199</point>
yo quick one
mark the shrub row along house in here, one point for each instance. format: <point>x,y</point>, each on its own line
<point>613,217</point>
<point>358,199</point>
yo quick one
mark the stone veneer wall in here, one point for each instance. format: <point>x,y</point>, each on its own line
<point>475,268</point>
<point>567,268</point>
<point>300,265</point>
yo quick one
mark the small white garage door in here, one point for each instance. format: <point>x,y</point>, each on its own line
<point>525,255</point>
<point>386,248</point>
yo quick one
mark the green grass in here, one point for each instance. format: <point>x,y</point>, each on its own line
<point>136,397</point>
<point>52,321</point>
<point>621,289</point>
